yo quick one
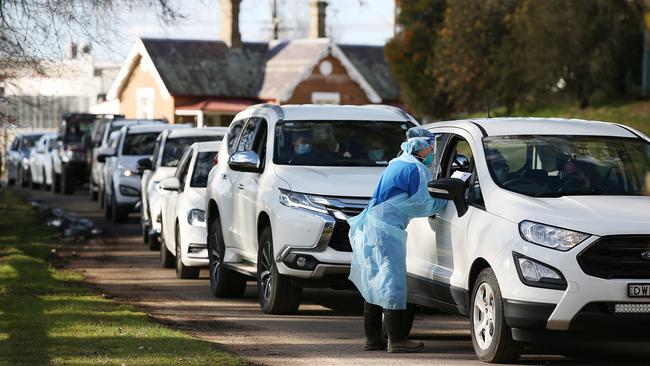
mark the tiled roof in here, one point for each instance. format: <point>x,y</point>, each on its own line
<point>372,64</point>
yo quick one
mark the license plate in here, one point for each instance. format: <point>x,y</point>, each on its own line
<point>638,290</point>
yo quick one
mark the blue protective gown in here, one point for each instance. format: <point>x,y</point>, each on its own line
<point>378,237</point>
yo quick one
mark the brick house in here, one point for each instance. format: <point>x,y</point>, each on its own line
<point>208,82</point>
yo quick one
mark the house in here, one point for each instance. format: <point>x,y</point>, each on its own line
<point>208,82</point>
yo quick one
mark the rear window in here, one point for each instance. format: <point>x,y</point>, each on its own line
<point>202,166</point>
<point>140,143</point>
<point>175,147</point>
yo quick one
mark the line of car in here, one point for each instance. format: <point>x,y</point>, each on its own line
<point>546,236</point>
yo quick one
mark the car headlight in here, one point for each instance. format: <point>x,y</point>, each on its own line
<point>301,200</point>
<point>537,274</point>
<point>550,236</point>
<point>124,171</point>
<point>196,217</point>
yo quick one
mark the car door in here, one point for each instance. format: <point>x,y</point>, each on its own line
<point>225,187</point>
<point>171,199</point>
<point>436,245</point>
<point>253,138</point>
<point>146,177</point>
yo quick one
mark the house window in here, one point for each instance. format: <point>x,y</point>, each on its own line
<point>144,103</point>
<point>325,98</point>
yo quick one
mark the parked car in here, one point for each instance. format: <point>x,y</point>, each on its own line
<point>548,239</point>
<point>170,146</point>
<point>184,231</point>
<point>69,157</point>
<point>121,178</point>
<point>40,161</point>
<point>18,158</point>
<point>100,145</point>
<point>278,202</point>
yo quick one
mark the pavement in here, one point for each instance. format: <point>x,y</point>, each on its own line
<point>328,329</point>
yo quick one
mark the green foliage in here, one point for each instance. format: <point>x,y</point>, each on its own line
<point>449,55</point>
<point>48,318</point>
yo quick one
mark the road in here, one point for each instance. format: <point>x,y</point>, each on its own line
<point>328,329</point>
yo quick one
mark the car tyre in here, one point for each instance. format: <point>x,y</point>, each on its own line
<point>166,257</point>
<point>108,210</point>
<point>182,271</point>
<point>276,293</point>
<point>224,282</point>
<point>24,181</point>
<point>44,185</point>
<point>56,182</point>
<point>118,215</point>
<point>93,189</point>
<point>491,336</point>
<point>33,185</point>
<point>67,181</point>
<point>145,234</point>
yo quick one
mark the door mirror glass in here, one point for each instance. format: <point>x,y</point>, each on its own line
<point>461,163</point>
<point>170,184</point>
<point>450,189</point>
<point>144,164</point>
<point>245,161</point>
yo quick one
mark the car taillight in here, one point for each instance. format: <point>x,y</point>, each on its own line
<point>215,159</point>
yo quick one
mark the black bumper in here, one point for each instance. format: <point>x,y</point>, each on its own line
<point>596,321</point>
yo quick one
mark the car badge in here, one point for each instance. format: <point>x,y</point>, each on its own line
<point>646,255</point>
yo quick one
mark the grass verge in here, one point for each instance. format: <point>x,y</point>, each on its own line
<point>48,318</point>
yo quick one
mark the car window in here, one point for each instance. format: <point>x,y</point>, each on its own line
<point>139,143</point>
<point>248,134</point>
<point>458,157</point>
<point>156,150</point>
<point>14,145</point>
<point>233,135</point>
<point>175,147</point>
<point>181,171</point>
<point>202,166</point>
<point>338,143</point>
<point>29,142</point>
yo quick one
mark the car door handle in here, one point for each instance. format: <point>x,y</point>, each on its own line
<point>240,186</point>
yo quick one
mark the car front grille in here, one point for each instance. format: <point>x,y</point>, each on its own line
<point>617,257</point>
<point>340,240</point>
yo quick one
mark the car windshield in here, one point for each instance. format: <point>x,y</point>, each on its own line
<point>29,141</point>
<point>139,143</point>
<point>338,143</point>
<point>202,167</point>
<point>76,130</point>
<point>554,166</point>
<point>174,148</point>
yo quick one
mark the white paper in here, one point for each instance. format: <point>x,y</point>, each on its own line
<point>461,175</point>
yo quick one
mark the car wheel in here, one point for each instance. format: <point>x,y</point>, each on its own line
<point>276,293</point>
<point>166,257</point>
<point>491,336</point>
<point>92,188</point>
<point>102,201</point>
<point>44,185</point>
<point>108,210</point>
<point>67,181</point>
<point>224,282</point>
<point>33,185</point>
<point>118,215</point>
<point>24,181</point>
<point>182,271</point>
<point>145,233</point>
<point>56,182</point>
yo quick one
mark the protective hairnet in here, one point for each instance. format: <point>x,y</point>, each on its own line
<point>419,132</point>
<point>378,241</point>
<point>414,144</point>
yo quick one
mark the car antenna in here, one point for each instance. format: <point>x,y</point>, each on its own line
<point>487,106</point>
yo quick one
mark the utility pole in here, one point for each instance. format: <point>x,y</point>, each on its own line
<point>275,22</point>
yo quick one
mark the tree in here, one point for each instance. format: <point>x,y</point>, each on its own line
<point>474,56</point>
<point>32,31</point>
<point>412,58</point>
<point>579,47</point>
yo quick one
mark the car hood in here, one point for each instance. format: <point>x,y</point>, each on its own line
<point>331,181</point>
<point>598,215</point>
<point>195,197</point>
<point>162,173</point>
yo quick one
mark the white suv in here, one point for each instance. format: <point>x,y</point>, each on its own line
<point>278,200</point>
<point>549,239</point>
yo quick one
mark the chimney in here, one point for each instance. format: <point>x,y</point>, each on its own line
<point>72,50</point>
<point>230,22</point>
<point>317,19</point>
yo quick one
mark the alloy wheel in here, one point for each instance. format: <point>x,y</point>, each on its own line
<point>215,262</point>
<point>266,278</point>
<point>484,316</point>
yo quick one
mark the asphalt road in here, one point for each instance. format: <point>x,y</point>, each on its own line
<point>326,331</point>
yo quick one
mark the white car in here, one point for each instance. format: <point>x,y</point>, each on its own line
<point>287,179</point>
<point>121,179</point>
<point>184,231</point>
<point>548,239</point>
<point>18,158</point>
<point>170,146</point>
<point>40,161</point>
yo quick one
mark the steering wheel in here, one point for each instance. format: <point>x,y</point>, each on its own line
<point>518,181</point>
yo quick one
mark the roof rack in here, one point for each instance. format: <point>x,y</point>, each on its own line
<point>276,108</point>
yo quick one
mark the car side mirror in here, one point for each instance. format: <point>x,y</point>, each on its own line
<point>144,164</point>
<point>450,189</point>
<point>170,184</point>
<point>245,161</point>
<point>102,157</point>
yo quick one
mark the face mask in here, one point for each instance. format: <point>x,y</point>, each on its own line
<point>428,161</point>
<point>375,155</point>
<point>303,149</point>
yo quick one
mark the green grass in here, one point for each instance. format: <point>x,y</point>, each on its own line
<point>47,317</point>
<point>635,113</point>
